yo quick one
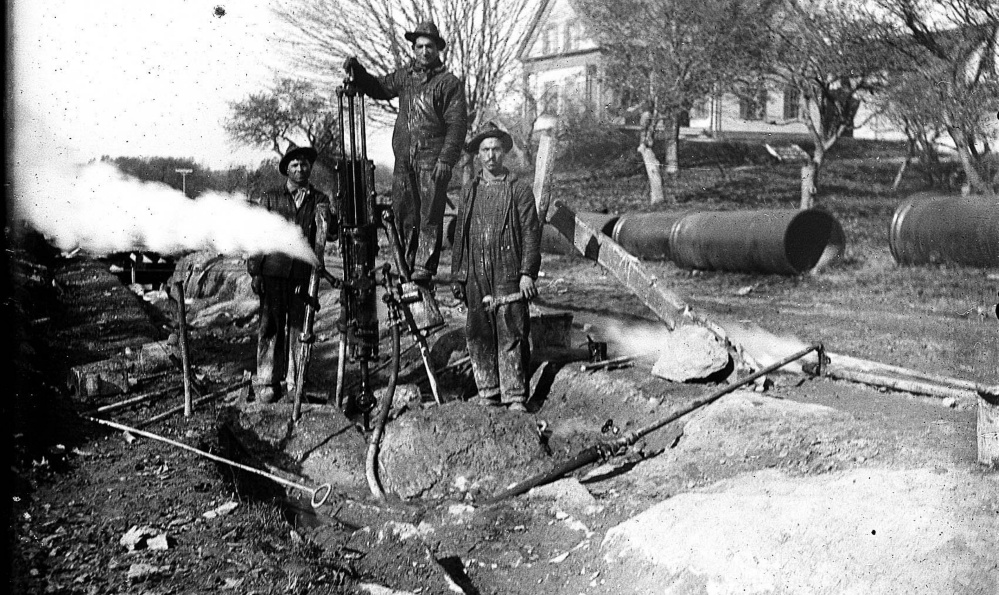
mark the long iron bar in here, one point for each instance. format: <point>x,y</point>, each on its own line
<point>319,494</point>
<point>134,400</point>
<point>200,401</point>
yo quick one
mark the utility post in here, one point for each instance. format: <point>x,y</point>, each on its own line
<point>183,171</point>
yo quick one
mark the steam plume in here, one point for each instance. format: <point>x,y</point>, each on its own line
<point>101,210</point>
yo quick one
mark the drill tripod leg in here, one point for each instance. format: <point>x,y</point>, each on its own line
<point>341,371</point>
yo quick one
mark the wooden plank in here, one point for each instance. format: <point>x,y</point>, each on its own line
<point>669,307</point>
<point>867,366</point>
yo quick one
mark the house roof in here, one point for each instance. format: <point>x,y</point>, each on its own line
<point>532,30</point>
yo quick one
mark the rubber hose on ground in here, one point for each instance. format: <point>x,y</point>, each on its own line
<point>371,462</point>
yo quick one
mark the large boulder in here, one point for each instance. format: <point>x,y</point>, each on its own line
<point>690,353</point>
<point>459,449</point>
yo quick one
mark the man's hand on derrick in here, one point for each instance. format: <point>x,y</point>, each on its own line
<point>351,65</point>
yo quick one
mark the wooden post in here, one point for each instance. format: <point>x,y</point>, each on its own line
<point>988,428</point>
<point>544,166</point>
<point>184,351</point>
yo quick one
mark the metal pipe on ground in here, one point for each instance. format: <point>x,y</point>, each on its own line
<point>788,242</point>
<point>605,450</point>
<point>930,228</point>
<point>319,494</point>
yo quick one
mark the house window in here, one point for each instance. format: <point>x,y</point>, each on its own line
<point>699,111</point>
<point>549,40</point>
<point>792,103</point>
<point>591,82</point>
<point>753,104</point>
<point>549,99</point>
<point>571,42</point>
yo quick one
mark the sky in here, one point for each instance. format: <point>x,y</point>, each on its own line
<point>128,78</point>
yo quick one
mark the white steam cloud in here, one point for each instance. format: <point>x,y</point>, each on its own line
<point>101,210</point>
<point>644,340</point>
<point>639,340</point>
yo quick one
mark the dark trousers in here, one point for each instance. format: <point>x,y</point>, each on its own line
<point>418,204</point>
<point>498,343</point>
<point>282,316</point>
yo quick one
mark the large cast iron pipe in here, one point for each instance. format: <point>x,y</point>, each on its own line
<point>786,242</point>
<point>934,228</point>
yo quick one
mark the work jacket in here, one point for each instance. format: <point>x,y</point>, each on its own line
<point>280,201</point>
<point>433,117</point>
<point>521,233</point>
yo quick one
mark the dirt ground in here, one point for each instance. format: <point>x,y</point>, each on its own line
<point>78,487</point>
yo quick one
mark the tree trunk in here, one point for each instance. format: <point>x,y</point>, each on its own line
<point>810,178</point>
<point>975,180</point>
<point>652,165</point>
<point>671,125</point>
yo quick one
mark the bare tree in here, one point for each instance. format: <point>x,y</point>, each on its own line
<point>827,51</point>
<point>482,35</point>
<point>669,54</point>
<point>953,49</point>
<point>290,112</point>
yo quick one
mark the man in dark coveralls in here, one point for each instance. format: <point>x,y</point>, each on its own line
<point>429,132</point>
<point>497,252</point>
<point>281,281</point>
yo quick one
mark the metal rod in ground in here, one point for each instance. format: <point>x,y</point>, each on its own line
<point>617,447</point>
<point>134,400</point>
<point>323,491</point>
<point>201,401</point>
<point>185,357</point>
<point>606,363</point>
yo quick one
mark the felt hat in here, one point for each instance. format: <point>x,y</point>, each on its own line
<point>426,29</point>
<point>295,152</point>
<point>489,130</point>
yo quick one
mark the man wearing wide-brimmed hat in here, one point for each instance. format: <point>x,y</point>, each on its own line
<point>497,253</point>
<point>429,132</point>
<point>279,280</point>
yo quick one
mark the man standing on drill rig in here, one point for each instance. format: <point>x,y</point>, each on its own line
<point>429,133</point>
<point>280,280</point>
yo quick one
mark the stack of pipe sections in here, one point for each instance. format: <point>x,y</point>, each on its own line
<point>934,229</point>
<point>787,242</point>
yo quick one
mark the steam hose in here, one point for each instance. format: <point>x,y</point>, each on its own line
<point>371,462</point>
<point>606,450</point>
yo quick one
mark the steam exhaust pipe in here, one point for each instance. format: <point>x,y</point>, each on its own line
<point>934,228</point>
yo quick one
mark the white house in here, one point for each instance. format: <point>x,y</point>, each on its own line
<point>563,66</point>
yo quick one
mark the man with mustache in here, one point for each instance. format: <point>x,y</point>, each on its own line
<point>497,253</point>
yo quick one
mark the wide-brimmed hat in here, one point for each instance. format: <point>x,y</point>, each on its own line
<point>294,152</point>
<point>489,130</point>
<point>426,29</point>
